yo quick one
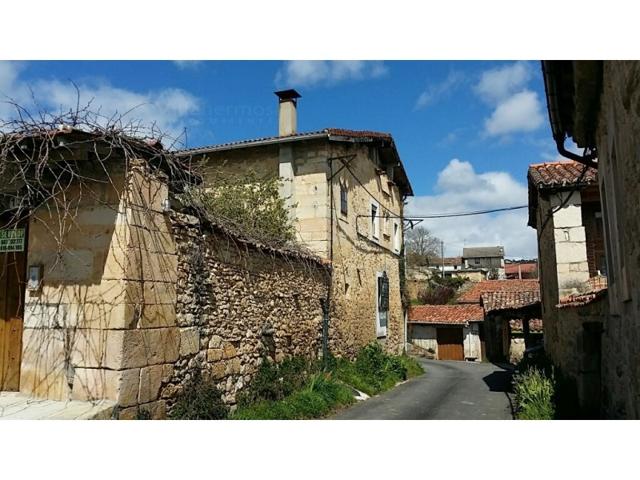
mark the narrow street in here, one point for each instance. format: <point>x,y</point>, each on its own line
<point>448,390</point>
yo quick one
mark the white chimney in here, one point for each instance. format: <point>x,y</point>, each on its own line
<point>287,121</point>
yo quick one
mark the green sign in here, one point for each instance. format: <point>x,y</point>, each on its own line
<point>12,240</point>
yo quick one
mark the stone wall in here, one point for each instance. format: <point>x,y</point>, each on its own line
<point>236,305</point>
<point>358,257</point>
<point>618,142</point>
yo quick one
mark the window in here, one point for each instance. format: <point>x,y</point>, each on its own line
<point>382,307</point>
<point>375,221</point>
<point>397,239</point>
<point>387,225</point>
<point>344,206</point>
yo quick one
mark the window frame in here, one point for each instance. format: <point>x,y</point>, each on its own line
<point>381,331</point>
<point>344,199</point>
<point>375,221</point>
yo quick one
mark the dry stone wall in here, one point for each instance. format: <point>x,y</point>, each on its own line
<point>237,305</point>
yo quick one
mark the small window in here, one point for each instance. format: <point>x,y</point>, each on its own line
<point>387,225</point>
<point>344,206</point>
<point>375,221</point>
<point>396,237</point>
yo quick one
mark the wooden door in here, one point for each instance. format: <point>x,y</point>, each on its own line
<point>450,346</point>
<point>12,287</point>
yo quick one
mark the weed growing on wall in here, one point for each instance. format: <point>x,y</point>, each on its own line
<point>248,203</point>
<point>200,400</point>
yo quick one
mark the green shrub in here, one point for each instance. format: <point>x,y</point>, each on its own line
<point>275,381</point>
<point>534,395</point>
<point>412,366</point>
<point>200,400</point>
<point>320,395</point>
<point>374,371</point>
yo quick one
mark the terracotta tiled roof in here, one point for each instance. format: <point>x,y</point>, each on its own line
<point>473,294</point>
<point>513,268</point>
<point>509,300</point>
<point>326,132</point>
<point>535,325</point>
<point>560,174</point>
<point>596,289</point>
<point>446,314</point>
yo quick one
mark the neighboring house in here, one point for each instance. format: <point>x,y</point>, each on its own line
<point>449,332</point>
<point>520,270</point>
<point>594,103</point>
<point>109,294</point>
<point>487,258</point>
<point>446,265</point>
<point>345,191</point>
<point>504,301</point>
<point>512,322</point>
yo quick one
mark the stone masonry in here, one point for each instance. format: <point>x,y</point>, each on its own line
<point>237,305</point>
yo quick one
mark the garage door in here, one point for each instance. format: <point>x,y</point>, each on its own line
<point>450,345</point>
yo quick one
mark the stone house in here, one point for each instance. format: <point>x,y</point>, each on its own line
<point>109,294</point>
<point>448,332</point>
<point>486,258</point>
<point>564,208</point>
<point>595,103</point>
<point>345,191</point>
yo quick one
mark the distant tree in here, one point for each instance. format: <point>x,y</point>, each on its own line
<point>420,244</point>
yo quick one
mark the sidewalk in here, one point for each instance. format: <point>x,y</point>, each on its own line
<point>14,406</point>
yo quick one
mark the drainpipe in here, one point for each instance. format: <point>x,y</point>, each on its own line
<point>587,158</point>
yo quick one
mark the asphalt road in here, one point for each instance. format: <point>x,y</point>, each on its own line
<point>448,390</point>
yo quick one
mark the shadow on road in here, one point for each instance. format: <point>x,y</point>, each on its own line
<point>500,380</point>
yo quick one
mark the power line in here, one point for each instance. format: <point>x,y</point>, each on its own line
<point>466,214</point>
<point>457,214</point>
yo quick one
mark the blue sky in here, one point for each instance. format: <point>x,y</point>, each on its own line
<point>466,131</point>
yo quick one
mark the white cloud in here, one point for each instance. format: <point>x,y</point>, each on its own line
<point>436,91</point>
<point>309,73</point>
<point>497,84</point>
<point>187,64</point>
<point>460,188</point>
<point>170,109</point>
<point>515,107</point>
<point>522,112</point>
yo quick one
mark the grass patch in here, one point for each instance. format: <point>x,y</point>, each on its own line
<point>373,371</point>
<point>320,396</point>
<point>534,395</point>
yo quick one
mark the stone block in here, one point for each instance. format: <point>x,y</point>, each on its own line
<point>150,382</point>
<point>214,354</point>
<point>129,387</point>
<point>228,351</point>
<point>571,252</point>
<point>568,216</point>
<point>215,341</point>
<point>95,384</point>
<point>218,370</point>
<point>189,341</point>
<point>143,347</point>
<point>96,348</point>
